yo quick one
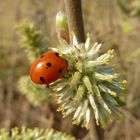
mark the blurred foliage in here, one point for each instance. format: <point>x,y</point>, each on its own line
<point>133,56</point>
<point>32,40</point>
<point>132,9</point>
<point>34,46</point>
<point>4,64</point>
<point>33,134</point>
<point>127,27</point>
<point>36,94</point>
<point>123,6</point>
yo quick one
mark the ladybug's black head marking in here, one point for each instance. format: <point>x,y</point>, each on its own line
<point>42,79</point>
<point>60,71</point>
<point>57,54</point>
<point>49,64</point>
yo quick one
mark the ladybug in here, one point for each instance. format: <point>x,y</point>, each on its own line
<point>48,68</point>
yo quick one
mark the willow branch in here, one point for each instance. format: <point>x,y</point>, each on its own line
<point>75,19</point>
<point>75,23</point>
<point>96,132</point>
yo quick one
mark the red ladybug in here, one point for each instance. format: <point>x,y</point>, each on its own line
<point>48,68</point>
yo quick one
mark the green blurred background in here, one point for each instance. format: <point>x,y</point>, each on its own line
<point>114,22</point>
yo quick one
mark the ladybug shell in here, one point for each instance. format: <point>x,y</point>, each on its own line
<point>48,68</point>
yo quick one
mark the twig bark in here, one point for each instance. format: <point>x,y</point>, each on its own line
<point>96,132</point>
<point>75,19</point>
<point>75,23</point>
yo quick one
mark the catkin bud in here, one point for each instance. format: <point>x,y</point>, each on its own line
<point>62,26</point>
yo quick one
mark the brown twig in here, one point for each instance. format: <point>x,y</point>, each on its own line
<point>75,23</point>
<point>96,132</point>
<point>75,19</point>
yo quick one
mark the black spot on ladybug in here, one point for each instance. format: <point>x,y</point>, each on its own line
<point>57,54</point>
<point>42,79</point>
<point>41,56</point>
<point>60,71</point>
<point>49,64</point>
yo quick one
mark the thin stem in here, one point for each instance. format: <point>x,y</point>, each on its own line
<point>75,19</point>
<point>96,132</point>
<point>75,22</point>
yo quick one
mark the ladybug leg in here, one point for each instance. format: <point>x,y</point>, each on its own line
<point>64,76</point>
<point>71,99</point>
<point>47,86</point>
